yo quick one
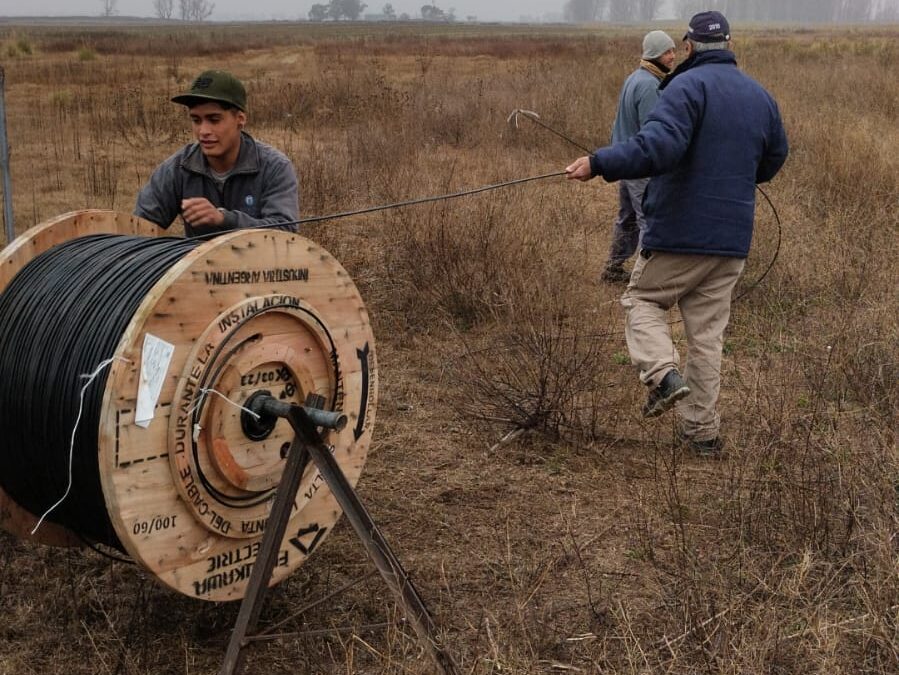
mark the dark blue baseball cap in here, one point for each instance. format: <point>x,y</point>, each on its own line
<point>708,27</point>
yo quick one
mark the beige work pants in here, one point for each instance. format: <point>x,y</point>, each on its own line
<point>701,286</point>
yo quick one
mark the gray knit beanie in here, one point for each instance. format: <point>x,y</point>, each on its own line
<point>655,44</point>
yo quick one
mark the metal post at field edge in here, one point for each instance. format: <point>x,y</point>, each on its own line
<point>4,164</point>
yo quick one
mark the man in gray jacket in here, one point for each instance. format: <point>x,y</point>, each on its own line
<point>226,180</point>
<point>638,97</point>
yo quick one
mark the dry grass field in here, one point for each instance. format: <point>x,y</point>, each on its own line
<point>589,542</point>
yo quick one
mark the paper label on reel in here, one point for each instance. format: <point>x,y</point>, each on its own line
<point>154,364</point>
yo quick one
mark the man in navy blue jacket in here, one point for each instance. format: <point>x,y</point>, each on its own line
<point>713,135</point>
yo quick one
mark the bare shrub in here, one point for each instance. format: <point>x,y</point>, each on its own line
<point>544,373</point>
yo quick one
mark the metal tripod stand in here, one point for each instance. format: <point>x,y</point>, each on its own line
<point>307,444</point>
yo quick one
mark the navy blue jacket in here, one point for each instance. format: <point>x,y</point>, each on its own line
<point>714,133</point>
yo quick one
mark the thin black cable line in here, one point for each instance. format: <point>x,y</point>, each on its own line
<point>96,549</point>
<point>395,205</point>
<point>755,284</point>
<point>438,198</point>
<point>535,118</point>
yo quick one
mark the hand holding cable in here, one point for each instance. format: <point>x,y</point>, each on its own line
<point>580,170</point>
<point>200,212</point>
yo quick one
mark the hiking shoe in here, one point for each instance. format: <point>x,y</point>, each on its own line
<point>671,390</point>
<point>615,274</point>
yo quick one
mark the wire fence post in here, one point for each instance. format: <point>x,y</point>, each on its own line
<point>4,164</point>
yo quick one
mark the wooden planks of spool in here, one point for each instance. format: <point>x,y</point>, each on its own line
<point>188,490</point>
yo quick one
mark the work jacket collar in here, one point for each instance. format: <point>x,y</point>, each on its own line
<point>247,158</point>
<point>697,59</point>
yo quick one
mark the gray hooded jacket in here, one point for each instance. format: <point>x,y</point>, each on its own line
<point>260,191</point>
<point>639,95</point>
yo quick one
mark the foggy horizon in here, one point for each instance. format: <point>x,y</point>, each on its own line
<point>499,10</point>
<point>265,10</point>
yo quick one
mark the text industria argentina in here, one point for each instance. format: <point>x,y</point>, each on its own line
<point>269,276</point>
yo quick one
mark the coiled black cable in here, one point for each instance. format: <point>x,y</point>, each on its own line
<point>62,316</point>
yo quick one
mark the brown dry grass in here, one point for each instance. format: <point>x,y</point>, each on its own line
<point>590,543</point>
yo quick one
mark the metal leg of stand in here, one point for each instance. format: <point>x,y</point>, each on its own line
<point>375,545</point>
<point>251,606</point>
<point>308,444</point>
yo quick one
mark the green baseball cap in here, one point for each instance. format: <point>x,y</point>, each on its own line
<point>214,85</point>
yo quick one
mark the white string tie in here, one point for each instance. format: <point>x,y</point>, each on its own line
<point>203,392</point>
<point>90,380</point>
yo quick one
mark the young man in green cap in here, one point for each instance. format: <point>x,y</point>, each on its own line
<point>226,180</point>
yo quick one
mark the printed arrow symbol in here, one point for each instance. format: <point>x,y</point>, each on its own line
<point>363,404</point>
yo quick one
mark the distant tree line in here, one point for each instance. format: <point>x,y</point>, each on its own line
<point>578,11</point>
<point>188,10</point>
<point>434,13</point>
<point>352,10</point>
<point>336,10</point>
<point>841,11</point>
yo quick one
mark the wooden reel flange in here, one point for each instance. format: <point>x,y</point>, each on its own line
<point>190,493</point>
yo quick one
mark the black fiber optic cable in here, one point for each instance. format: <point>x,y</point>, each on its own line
<point>61,316</point>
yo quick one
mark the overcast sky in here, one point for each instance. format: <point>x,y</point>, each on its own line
<point>494,10</point>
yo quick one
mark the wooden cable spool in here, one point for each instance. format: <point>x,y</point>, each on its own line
<point>248,311</point>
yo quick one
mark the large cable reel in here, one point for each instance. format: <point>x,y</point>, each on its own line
<point>189,494</point>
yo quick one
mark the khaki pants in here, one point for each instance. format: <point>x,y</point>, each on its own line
<point>701,286</point>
